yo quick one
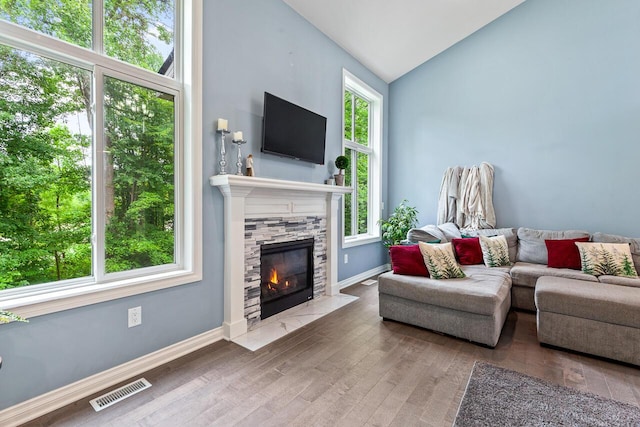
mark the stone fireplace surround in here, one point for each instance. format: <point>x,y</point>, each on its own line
<point>251,200</point>
<point>261,231</point>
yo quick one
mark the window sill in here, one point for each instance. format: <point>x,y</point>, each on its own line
<point>359,241</point>
<point>79,296</point>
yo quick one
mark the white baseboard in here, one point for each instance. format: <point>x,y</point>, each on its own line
<point>363,276</point>
<point>55,399</point>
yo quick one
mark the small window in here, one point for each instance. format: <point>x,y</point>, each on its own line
<point>138,177</point>
<point>45,171</point>
<point>152,20</point>
<point>69,21</point>
<point>362,133</point>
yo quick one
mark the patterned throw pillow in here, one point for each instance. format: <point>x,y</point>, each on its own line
<point>440,261</point>
<point>613,259</point>
<point>495,251</point>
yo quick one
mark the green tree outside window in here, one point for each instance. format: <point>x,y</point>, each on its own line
<point>356,204</point>
<point>46,156</point>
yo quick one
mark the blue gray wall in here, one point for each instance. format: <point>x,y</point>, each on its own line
<point>55,350</point>
<point>250,46</point>
<point>550,95</point>
<point>277,51</point>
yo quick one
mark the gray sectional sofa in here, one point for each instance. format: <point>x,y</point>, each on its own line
<point>596,315</point>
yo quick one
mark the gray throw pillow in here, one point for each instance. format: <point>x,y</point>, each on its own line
<point>450,230</point>
<point>531,246</point>
<point>428,233</point>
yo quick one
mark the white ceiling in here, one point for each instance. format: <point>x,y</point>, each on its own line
<point>392,37</point>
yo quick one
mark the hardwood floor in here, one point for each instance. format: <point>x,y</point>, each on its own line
<point>349,368</point>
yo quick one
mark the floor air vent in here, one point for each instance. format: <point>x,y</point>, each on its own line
<point>115,396</point>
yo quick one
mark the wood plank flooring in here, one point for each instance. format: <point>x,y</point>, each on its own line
<point>349,368</point>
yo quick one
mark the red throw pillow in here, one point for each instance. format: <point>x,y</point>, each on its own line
<point>408,260</point>
<point>564,253</point>
<point>468,250</point>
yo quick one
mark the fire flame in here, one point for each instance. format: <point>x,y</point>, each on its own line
<point>274,276</point>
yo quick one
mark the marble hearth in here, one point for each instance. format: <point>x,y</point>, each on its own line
<point>259,211</point>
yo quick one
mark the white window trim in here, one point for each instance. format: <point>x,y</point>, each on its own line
<point>354,84</point>
<point>37,300</point>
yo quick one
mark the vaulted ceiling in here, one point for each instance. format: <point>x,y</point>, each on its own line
<point>392,37</point>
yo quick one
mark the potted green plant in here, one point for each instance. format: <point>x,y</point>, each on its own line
<point>8,317</point>
<point>395,228</point>
<point>342,163</point>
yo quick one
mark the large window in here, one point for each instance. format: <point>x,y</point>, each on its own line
<point>362,132</point>
<point>94,147</point>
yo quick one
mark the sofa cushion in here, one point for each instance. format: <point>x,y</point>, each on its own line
<point>480,293</point>
<point>482,269</point>
<point>495,251</point>
<point>440,261</point>
<point>531,246</point>
<point>508,233</point>
<point>468,251</point>
<point>407,259</point>
<point>606,258</point>
<point>526,274</point>
<point>563,253</point>
<point>634,244</point>
<point>620,280</point>
<point>588,300</point>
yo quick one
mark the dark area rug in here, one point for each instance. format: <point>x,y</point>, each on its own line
<point>500,397</point>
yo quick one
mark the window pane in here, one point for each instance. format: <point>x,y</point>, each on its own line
<point>67,20</point>
<point>348,113</point>
<point>139,176</point>
<point>45,170</point>
<point>348,198</point>
<point>347,172</point>
<point>363,192</point>
<point>141,32</point>
<point>362,121</point>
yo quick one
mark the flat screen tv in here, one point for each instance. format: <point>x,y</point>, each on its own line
<point>292,131</point>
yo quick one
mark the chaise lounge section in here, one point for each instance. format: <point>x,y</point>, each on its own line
<point>594,318</point>
<point>474,308</point>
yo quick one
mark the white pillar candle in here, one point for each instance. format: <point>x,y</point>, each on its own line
<point>237,136</point>
<point>222,124</point>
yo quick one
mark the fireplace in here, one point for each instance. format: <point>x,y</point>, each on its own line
<point>259,211</point>
<point>286,275</point>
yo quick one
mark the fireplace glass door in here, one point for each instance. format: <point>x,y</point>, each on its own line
<point>286,271</point>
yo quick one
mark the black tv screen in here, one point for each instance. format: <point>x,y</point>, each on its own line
<point>292,131</point>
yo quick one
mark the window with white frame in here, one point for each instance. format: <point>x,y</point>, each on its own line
<point>94,146</point>
<point>362,134</point>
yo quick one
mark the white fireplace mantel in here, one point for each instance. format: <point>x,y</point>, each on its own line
<point>251,197</point>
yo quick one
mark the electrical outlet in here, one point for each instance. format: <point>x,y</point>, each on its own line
<point>346,258</point>
<point>135,316</point>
